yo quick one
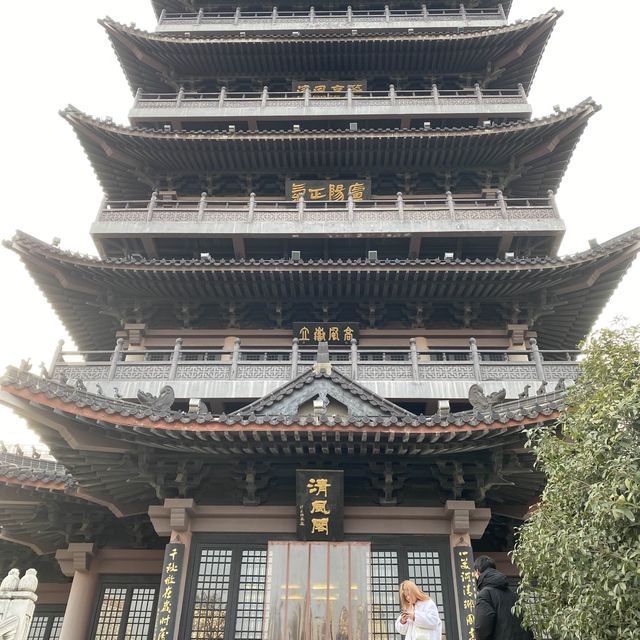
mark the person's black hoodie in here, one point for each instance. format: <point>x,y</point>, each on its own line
<point>495,619</point>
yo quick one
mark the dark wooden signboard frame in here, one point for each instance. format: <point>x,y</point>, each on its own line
<point>333,333</point>
<point>319,505</point>
<point>167,609</point>
<point>466,589</point>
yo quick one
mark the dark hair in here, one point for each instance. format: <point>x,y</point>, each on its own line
<point>483,563</point>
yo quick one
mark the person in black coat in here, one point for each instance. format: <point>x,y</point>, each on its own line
<point>495,619</point>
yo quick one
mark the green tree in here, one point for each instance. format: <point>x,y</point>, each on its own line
<point>580,551</point>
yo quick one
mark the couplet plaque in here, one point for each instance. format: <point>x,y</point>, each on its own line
<point>169,591</point>
<point>466,588</point>
<point>319,505</point>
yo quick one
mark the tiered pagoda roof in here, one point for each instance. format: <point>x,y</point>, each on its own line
<point>500,57</point>
<point>164,448</point>
<point>530,157</point>
<point>93,296</point>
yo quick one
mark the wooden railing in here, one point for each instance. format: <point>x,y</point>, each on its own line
<point>399,209</point>
<point>411,364</point>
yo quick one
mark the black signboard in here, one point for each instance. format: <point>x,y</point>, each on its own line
<point>320,504</point>
<point>169,592</point>
<point>335,333</point>
<point>328,190</point>
<point>333,86</point>
<point>466,588</point>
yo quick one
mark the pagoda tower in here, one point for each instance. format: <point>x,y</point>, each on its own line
<point>327,307</point>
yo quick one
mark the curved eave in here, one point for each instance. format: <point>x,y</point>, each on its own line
<point>80,288</point>
<point>130,162</point>
<point>181,6</point>
<point>174,431</point>
<point>503,56</point>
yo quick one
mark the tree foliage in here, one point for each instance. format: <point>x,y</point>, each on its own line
<point>580,551</point>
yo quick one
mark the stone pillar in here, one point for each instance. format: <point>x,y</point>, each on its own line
<point>75,562</point>
<point>173,519</point>
<point>516,334</point>
<point>227,347</point>
<point>467,522</point>
<point>422,345</point>
<point>135,341</point>
<point>17,603</point>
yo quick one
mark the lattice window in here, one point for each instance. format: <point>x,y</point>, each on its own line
<point>212,594</point>
<point>126,612</point>
<point>384,594</point>
<point>425,571</point>
<point>251,589</point>
<point>45,627</point>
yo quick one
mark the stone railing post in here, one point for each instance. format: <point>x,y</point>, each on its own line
<point>349,96</point>
<point>387,13</point>
<point>175,359</point>
<point>354,358</point>
<point>435,94</point>
<point>501,203</point>
<point>351,205</point>
<point>202,206</point>
<point>475,358</point>
<point>425,11</point>
<point>200,16</point>
<point>17,603</point>
<point>57,357</point>
<point>152,205</point>
<point>463,12</point>
<point>301,208</point>
<point>307,96</point>
<point>221,97</point>
<point>522,91</point>
<point>413,352</point>
<point>478,92</point>
<point>553,202</point>
<point>163,14</point>
<point>294,358</point>
<point>503,15</point>
<point>349,14</point>
<point>274,15</point>
<point>103,207</point>
<point>138,95</point>
<point>265,97</point>
<point>180,97</point>
<point>392,93</point>
<point>400,206</point>
<point>115,358</point>
<point>235,358</point>
<point>450,204</point>
<point>312,14</point>
<point>252,206</point>
<point>537,358</point>
<point>236,16</point>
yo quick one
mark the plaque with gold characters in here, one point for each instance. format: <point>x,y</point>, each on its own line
<point>169,591</point>
<point>328,190</point>
<point>320,504</point>
<point>316,87</point>
<point>335,333</point>
<point>466,585</point>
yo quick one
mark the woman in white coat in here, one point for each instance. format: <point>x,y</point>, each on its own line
<point>420,619</point>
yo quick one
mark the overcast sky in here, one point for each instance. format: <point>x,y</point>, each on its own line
<point>56,54</point>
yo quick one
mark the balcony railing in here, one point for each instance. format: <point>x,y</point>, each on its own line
<point>332,103</point>
<point>264,369</point>
<point>312,20</point>
<point>400,214</point>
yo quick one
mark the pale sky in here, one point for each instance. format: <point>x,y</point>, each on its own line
<point>56,54</point>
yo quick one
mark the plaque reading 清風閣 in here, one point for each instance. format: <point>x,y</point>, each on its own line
<point>319,504</point>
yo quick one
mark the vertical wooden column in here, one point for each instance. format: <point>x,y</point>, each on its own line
<point>462,514</point>
<point>75,562</point>
<point>173,519</point>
